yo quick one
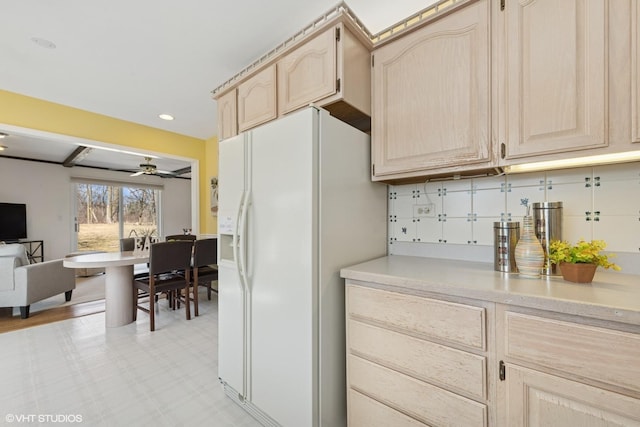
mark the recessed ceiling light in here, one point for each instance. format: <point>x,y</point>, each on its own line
<point>165,116</point>
<point>43,43</point>
<point>3,135</point>
<point>2,148</point>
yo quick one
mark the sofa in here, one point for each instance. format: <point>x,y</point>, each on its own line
<point>23,283</point>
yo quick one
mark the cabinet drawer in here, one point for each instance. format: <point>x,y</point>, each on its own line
<point>425,402</point>
<point>366,412</point>
<point>434,363</point>
<point>586,351</point>
<point>457,323</point>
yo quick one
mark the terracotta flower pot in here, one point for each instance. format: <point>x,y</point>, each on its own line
<point>578,273</point>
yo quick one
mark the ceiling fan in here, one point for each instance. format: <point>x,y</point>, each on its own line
<point>150,169</point>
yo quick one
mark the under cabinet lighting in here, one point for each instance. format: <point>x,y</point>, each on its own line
<point>602,159</point>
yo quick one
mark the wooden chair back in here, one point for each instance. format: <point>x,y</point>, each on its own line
<point>172,237</point>
<point>205,252</point>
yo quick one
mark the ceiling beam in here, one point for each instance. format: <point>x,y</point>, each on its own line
<point>76,156</point>
<point>182,171</point>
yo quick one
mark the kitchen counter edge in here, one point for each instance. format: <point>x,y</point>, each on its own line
<point>613,296</point>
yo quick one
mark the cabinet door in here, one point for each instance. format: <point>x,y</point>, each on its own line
<point>227,116</point>
<point>308,73</point>
<point>556,91</point>
<point>257,99</point>
<point>537,399</point>
<point>431,98</point>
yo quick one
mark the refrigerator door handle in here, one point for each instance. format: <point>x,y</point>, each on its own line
<point>242,268</point>
<point>242,246</point>
<point>235,242</point>
<point>245,209</point>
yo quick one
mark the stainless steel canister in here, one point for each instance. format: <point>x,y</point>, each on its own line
<point>547,217</point>
<point>505,237</point>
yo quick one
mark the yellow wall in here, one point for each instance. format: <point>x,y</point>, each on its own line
<point>32,113</point>
<point>211,154</point>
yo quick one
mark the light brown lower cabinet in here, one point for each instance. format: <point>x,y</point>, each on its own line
<point>538,399</point>
<point>568,370</point>
<point>418,358</point>
<point>415,360</point>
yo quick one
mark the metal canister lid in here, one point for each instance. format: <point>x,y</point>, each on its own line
<point>506,224</point>
<point>546,205</point>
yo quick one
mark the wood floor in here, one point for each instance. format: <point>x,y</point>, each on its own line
<point>12,323</point>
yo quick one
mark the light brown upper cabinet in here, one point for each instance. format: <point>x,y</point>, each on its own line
<point>327,65</point>
<point>227,115</point>
<point>331,69</point>
<point>555,83</point>
<point>493,84</point>
<point>431,98</point>
<point>308,73</point>
<point>257,99</point>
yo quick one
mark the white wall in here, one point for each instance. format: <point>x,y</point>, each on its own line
<point>47,191</point>
<point>600,202</point>
<point>176,206</point>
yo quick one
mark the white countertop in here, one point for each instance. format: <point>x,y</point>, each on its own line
<point>612,295</point>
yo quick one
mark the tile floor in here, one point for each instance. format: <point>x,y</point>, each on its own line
<point>117,376</point>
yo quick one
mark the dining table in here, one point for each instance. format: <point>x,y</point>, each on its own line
<point>118,281</point>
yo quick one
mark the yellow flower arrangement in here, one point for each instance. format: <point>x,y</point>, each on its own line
<point>582,252</point>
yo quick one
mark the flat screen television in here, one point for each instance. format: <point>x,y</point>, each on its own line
<point>13,221</point>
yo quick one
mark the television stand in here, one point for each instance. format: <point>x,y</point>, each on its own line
<point>35,249</point>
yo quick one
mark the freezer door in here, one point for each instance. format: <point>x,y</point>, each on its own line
<point>231,334</point>
<point>231,191</point>
<point>231,294</point>
<point>281,236</point>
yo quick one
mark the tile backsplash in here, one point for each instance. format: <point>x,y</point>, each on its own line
<point>601,202</point>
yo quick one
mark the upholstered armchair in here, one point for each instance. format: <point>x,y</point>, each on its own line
<point>22,283</point>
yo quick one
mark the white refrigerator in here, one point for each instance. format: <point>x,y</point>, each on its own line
<point>296,204</point>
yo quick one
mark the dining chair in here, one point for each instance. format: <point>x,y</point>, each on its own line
<point>182,298</point>
<point>204,267</point>
<point>128,244</point>
<point>169,271</point>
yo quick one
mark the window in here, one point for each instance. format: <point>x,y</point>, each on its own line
<point>106,212</point>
